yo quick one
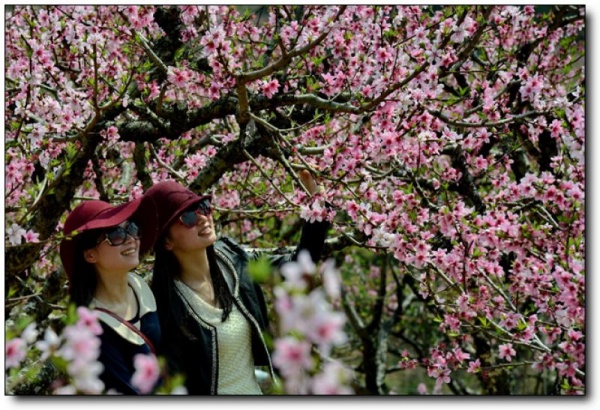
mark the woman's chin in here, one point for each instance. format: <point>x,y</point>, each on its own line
<point>208,240</point>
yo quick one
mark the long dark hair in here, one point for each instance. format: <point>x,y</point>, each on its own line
<point>167,267</point>
<point>83,281</point>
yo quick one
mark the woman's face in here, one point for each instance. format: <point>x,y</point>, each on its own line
<point>117,250</point>
<point>198,232</point>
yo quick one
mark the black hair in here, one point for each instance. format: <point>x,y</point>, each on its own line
<point>83,280</point>
<point>167,267</point>
<point>220,286</point>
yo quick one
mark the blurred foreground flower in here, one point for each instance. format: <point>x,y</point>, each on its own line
<point>309,329</point>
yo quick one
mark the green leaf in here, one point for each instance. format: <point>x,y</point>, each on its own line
<point>71,316</point>
<point>179,53</point>
<point>260,270</point>
<point>522,325</point>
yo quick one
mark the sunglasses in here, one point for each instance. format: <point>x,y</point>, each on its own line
<point>191,217</point>
<point>118,235</point>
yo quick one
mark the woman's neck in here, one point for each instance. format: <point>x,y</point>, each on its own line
<point>195,268</point>
<point>114,293</point>
<point>112,289</point>
<point>195,274</point>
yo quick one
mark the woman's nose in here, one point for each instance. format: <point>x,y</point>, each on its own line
<point>130,238</point>
<point>201,218</point>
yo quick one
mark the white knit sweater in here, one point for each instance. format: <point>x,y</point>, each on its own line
<point>236,363</point>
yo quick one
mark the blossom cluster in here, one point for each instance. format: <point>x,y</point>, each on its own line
<point>75,352</point>
<point>308,329</point>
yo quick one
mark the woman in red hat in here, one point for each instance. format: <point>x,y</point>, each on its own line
<point>212,314</point>
<point>102,246</point>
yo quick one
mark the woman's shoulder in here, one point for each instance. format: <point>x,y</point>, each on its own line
<point>143,292</point>
<point>230,247</point>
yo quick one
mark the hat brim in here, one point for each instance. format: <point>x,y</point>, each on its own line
<point>192,200</point>
<point>139,211</point>
<point>112,216</point>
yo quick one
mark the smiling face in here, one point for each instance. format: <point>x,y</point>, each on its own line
<point>119,258</point>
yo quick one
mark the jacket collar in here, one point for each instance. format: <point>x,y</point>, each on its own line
<point>146,302</point>
<point>229,273</point>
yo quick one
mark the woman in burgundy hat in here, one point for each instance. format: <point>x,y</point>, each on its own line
<point>102,246</point>
<point>212,314</point>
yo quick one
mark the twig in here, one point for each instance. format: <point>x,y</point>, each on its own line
<point>251,158</point>
<point>447,120</point>
<point>162,163</point>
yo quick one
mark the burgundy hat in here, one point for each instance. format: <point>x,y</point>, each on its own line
<point>170,199</point>
<point>95,214</point>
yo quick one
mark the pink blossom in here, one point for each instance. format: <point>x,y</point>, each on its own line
<point>188,33</point>
<point>89,320</point>
<point>441,375</point>
<point>332,280</point>
<point>153,90</point>
<point>383,55</point>
<point>302,310</point>
<point>270,88</point>
<point>294,271</point>
<point>459,35</point>
<point>66,390</point>
<point>283,302</point>
<point>305,262</point>
<point>85,375</point>
<point>368,109</point>
<point>567,368</point>
<point>576,194</point>
<point>528,333</point>
<point>15,352</point>
<point>188,14</point>
<point>326,329</point>
<point>506,352</point>
<point>15,234</point>
<point>574,335</point>
<point>314,213</point>
<point>80,343</point>
<point>297,383</point>
<point>474,366</point>
<point>214,91</point>
<point>178,77</point>
<point>212,40</point>
<point>49,344</point>
<point>31,237</point>
<point>333,380</point>
<point>30,333</point>
<point>556,129</point>
<point>352,208</point>
<point>146,373</point>
<point>292,356</point>
<point>460,355</point>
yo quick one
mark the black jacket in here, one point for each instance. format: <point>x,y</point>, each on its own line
<point>189,344</point>
<point>119,345</point>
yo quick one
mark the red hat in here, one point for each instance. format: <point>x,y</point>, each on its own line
<point>170,199</point>
<point>95,214</point>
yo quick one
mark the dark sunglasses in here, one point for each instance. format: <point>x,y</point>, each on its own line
<point>191,217</point>
<point>118,235</point>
